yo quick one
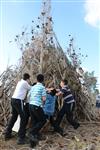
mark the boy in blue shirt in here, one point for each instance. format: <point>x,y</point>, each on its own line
<point>37,98</point>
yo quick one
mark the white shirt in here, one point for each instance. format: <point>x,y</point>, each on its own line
<point>21,90</point>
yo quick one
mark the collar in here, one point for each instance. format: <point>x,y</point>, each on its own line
<point>39,83</point>
<point>65,86</point>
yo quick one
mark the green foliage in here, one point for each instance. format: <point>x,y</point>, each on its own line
<point>90,81</point>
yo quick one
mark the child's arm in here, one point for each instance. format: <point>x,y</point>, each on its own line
<point>43,99</point>
<point>44,95</point>
<point>59,93</point>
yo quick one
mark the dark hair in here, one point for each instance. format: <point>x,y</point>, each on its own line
<point>65,81</point>
<point>40,78</point>
<point>34,84</point>
<point>53,92</point>
<point>26,76</point>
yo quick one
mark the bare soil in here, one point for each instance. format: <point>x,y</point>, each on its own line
<point>86,137</point>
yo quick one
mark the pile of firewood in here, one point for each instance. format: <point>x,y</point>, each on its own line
<point>43,54</point>
<point>54,66</point>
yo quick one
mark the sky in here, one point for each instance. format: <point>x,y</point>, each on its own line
<point>80,18</point>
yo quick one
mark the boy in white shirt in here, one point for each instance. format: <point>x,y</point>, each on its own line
<point>17,103</point>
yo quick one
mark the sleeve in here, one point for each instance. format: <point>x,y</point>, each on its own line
<point>63,91</point>
<point>28,87</point>
<point>28,95</point>
<point>43,92</point>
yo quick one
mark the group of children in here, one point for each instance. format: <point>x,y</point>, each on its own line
<point>40,106</point>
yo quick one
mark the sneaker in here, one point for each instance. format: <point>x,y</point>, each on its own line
<point>76,126</point>
<point>33,141</point>
<point>21,141</point>
<point>32,144</point>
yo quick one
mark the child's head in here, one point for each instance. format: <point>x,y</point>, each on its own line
<point>40,78</point>
<point>53,92</point>
<point>26,76</point>
<point>63,82</point>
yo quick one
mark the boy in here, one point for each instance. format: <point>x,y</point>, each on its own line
<point>37,96</point>
<point>17,103</point>
<point>67,108</point>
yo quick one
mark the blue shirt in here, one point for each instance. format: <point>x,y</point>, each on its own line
<point>36,93</point>
<point>49,106</point>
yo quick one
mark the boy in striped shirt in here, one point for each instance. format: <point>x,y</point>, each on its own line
<point>67,108</point>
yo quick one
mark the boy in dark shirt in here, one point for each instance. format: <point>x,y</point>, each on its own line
<point>67,108</point>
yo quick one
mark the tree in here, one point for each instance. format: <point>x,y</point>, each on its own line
<point>90,81</point>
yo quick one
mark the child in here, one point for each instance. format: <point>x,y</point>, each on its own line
<point>37,99</point>
<point>67,108</point>
<point>49,106</point>
<point>17,103</point>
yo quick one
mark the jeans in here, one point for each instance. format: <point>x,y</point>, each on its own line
<point>27,113</point>
<point>17,109</point>
<point>38,118</point>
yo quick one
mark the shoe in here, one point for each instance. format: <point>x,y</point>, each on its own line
<point>7,137</point>
<point>76,126</point>
<point>21,141</point>
<point>33,141</point>
<point>32,144</point>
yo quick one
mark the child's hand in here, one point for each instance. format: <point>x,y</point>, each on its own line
<point>59,93</point>
<point>49,89</point>
<point>57,90</point>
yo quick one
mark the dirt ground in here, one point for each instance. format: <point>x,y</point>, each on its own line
<point>86,137</point>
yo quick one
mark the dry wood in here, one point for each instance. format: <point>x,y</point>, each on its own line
<point>45,55</point>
